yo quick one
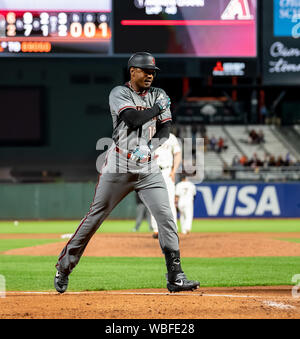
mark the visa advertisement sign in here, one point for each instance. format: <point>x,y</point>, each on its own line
<point>247,201</point>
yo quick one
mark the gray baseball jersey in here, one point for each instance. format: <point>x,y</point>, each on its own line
<point>124,97</point>
<point>126,139</point>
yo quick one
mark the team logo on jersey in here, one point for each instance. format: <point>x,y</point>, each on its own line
<point>237,9</point>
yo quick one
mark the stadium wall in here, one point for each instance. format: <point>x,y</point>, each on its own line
<point>213,200</point>
<point>55,201</point>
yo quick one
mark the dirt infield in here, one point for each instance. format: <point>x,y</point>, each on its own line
<point>205,245</point>
<point>205,303</point>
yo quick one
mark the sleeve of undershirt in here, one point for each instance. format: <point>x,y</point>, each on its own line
<point>162,135</point>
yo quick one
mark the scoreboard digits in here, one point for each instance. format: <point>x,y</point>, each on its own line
<point>61,24</point>
<point>44,32</point>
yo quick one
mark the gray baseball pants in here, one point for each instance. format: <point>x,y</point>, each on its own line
<point>110,190</point>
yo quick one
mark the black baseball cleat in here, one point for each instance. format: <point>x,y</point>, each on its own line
<point>182,284</point>
<point>61,281</point>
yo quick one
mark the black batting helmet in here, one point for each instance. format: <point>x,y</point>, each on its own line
<point>142,60</point>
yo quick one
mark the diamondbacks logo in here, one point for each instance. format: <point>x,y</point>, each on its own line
<point>237,9</point>
<point>153,61</point>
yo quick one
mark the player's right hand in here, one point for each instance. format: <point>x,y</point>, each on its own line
<point>163,102</point>
<point>141,153</point>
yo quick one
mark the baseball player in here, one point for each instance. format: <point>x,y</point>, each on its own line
<point>168,158</point>
<point>185,192</point>
<point>141,213</point>
<point>141,118</point>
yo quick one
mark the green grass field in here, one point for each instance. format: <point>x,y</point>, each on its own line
<point>26,273</point>
<point>111,226</point>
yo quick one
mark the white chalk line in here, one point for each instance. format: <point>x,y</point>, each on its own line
<point>201,294</point>
<point>278,305</point>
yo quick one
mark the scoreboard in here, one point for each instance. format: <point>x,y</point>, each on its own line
<point>184,28</point>
<point>192,28</point>
<point>46,32</point>
<point>71,29</point>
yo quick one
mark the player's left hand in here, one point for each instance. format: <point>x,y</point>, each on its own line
<point>163,102</point>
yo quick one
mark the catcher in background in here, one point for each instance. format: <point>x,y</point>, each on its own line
<point>168,157</point>
<point>185,192</point>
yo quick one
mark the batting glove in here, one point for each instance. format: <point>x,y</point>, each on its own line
<point>141,153</point>
<point>163,102</point>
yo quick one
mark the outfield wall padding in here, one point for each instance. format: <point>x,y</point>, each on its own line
<point>213,200</point>
<point>55,201</point>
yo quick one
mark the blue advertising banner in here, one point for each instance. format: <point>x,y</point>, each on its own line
<point>286,18</point>
<point>222,200</point>
<point>281,44</point>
